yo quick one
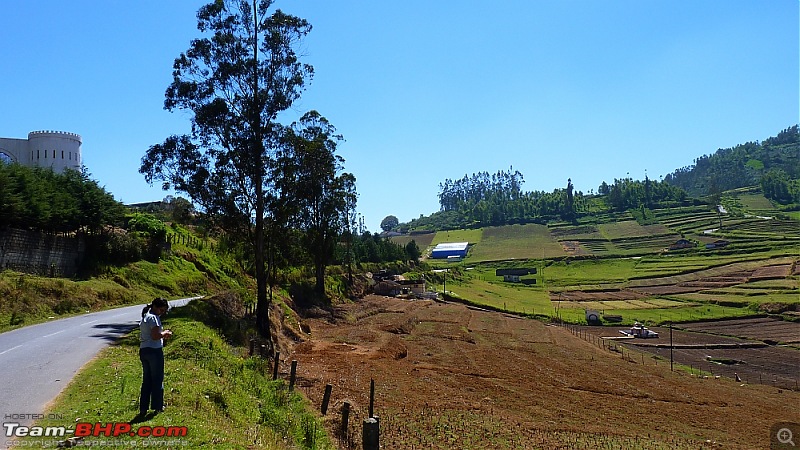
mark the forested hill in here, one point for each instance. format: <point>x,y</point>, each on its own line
<point>743,165</point>
<point>484,199</point>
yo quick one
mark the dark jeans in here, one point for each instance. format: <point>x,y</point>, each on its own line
<point>152,393</point>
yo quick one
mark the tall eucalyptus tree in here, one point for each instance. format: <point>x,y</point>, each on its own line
<point>234,81</point>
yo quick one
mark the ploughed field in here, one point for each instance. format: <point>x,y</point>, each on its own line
<point>759,350</point>
<point>447,376</point>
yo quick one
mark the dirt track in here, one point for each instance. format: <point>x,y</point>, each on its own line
<point>451,377</point>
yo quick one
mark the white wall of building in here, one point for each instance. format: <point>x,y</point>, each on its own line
<point>56,149</point>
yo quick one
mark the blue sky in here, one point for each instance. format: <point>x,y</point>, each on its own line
<point>427,90</point>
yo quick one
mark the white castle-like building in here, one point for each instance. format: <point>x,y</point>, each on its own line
<point>59,150</point>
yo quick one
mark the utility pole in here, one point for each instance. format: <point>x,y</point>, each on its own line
<point>670,346</point>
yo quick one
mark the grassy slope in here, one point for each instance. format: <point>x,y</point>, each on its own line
<point>27,299</point>
<point>224,399</point>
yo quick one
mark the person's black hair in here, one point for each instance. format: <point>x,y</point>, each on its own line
<point>158,302</point>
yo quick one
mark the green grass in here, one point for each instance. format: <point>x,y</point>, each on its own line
<point>677,315</point>
<point>506,296</point>
<point>591,272</point>
<point>660,316</point>
<point>515,242</point>
<point>28,299</point>
<point>224,399</point>
<point>673,264</point>
<point>755,202</point>
<point>629,229</point>
<point>471,236</point>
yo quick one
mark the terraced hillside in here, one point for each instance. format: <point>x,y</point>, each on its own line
<point>620,235</point>
<point>613,264</point>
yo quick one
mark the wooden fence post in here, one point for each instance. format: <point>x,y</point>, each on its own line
<point>345,418</point>
<point>326,398</point>
<point>370,435</point>
<point>275,368</point>
<point>292,375</point>
<point>371,398</point>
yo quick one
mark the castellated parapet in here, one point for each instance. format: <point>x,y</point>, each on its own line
<point>59,150</point>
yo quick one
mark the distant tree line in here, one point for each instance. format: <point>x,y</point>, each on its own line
<point>42,200</point>
<point>500,187</point>
<point>624,194</point>
<point>498,199</point>
<point>369,247</point>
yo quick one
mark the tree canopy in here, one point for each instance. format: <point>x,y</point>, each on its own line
<point>741,166</point>
<point>319,195</point>
<point>389,222</point>
<point>40,199</point>
<point>234,82</point>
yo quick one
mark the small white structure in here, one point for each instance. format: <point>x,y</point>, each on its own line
<point>640,331</point>
<point>58,150</point>
<point>450,250</point>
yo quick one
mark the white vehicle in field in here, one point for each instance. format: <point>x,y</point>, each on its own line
<point>640,331</point>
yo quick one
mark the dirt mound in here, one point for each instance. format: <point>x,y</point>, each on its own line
<point>393,348</point>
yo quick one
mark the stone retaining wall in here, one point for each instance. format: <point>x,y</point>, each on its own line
<point>40,253</point>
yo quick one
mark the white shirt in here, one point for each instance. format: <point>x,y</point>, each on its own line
<point>149,321</point>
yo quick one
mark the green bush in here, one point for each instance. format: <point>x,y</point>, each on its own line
<point>148,225</point>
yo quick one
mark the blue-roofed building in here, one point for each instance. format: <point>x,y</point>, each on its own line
<point>450,250</point>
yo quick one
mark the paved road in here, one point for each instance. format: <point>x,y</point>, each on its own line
<point>38,361</point>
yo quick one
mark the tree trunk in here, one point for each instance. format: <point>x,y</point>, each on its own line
<point>320,274</point>
<point>263,302</point>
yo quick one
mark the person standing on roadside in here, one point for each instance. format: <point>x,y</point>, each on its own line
<point>151,353</point>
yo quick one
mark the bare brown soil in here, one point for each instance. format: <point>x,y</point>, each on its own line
<point>698,347</point>
<point>573,248</point>
<point>763,329</point>
<point>448,376</point>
